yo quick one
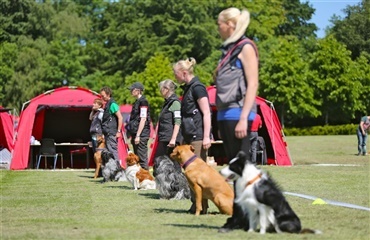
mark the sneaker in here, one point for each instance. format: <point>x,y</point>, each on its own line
<point>364,154</point>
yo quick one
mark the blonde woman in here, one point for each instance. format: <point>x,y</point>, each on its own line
<point>195,109</point>
<point>169,120</point>
<point>195,113</point>
<point>237,83</point>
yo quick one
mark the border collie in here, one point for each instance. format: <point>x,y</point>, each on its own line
<point>258,194</point>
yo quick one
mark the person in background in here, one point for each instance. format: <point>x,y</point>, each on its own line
<point>96,117</point>
<point>236,79</point>
<point>362,130</point>
<point>253,136</point>
<point>195,108</point>
<point>139,124</point>
<point>111,122</point>
<point>169,120</point>
<point>195,113</point>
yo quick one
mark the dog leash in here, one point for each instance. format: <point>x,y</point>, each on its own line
<point>190,160</point>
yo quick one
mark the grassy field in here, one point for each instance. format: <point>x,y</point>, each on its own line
<point>71,205</point>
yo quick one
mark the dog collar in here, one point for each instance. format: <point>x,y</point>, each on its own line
<point>190,160</point>
<point>99,149</point>
<point>253,180</point>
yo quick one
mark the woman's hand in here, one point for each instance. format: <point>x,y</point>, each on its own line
<point>241,129</point>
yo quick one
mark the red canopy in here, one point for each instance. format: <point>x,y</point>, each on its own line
<point>6,129</point>
<point>61,114</point>
<point>271,131</point>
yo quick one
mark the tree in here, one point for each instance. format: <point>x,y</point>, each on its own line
<point>296,23</point>
<point>8,59</point>
<point>353,30</point>
<point>14,19</point>
<point>158,68</point>
<point>336,82</point>
<point>284,78</point>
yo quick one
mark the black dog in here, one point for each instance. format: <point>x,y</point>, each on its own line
<point>111,168</point>
<point>171,182</point>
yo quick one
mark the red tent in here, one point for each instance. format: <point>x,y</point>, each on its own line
<point>6,129</point>
<point>61,114</point>
<point>271,131</point>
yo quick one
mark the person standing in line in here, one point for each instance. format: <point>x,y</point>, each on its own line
<point>112,122</point>
<point>195,114</point>
<point>195,108</point>
<point>253,136</point>
<point>236,79</point>
<point>362,130</point>
<point>96,117</point>
<point>169,120</point>
<point>139,124</point>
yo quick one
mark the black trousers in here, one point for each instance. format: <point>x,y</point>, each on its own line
<point>141,150</point>
<point>232,146</point>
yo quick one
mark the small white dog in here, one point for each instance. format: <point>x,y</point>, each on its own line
<point>138,177</point>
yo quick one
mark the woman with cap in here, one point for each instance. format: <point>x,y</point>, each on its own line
<point>139,124</point>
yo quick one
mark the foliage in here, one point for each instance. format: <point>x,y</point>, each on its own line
<point>284,78</point>
<point>331,66</point>
<point>92,43</point>
<point>347,129</point>
<point>353,30</point>
<point>158,68</point>
<point>296,19</point>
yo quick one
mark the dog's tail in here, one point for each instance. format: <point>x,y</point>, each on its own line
<point>310,231</point>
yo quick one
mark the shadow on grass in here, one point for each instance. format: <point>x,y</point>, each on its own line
<point>193,226</point>
<point>168,210</point>
<point>150,195</point>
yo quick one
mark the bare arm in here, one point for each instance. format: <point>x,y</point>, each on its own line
<point>204,107</point>
<point>250,66</point>
<point>119,117</point>
<point>176,129</point>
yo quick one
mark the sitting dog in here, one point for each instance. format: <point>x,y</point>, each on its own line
<point>259,195</point>
<point>137,176</point>
<point>204,180</point>
<point>97,155</point>
<point>111,168</point>
<point>171,182</point>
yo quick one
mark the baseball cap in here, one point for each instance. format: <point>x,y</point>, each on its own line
<point>136,85</point>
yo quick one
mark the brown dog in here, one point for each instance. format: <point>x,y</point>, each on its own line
<point>137,176</point>
<point>204,180</point>
<point>100,142</point>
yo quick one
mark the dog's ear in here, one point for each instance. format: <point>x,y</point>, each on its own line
<point>192,148</point>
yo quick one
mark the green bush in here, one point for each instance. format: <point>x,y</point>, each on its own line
<point>347,129</point>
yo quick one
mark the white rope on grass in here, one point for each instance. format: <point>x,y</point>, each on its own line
<point>325,201</point>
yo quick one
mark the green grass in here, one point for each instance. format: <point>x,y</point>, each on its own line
<point>72,205</point>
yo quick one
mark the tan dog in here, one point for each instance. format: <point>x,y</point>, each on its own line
<point>100,142</point>
<point>204,180</point>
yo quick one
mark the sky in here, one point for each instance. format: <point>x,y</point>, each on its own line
<point>325,9</point>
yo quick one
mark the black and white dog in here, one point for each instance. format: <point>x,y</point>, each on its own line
<point>258,194</point>
<point>171,182</point>
<point>111,168</point>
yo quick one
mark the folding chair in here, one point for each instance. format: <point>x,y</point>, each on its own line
<point>47,149</point>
